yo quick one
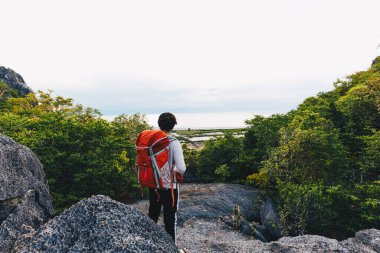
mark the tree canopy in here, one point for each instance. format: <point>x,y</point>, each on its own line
<point>320,162</point>
<point>82,153</point>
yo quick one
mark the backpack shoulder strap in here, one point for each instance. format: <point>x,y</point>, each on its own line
<point>171,138</point>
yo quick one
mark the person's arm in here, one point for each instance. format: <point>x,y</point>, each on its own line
<point>179,161</point>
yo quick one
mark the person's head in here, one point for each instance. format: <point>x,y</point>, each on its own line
<point>166,121</point>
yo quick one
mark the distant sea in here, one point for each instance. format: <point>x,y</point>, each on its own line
<point>218,120</point>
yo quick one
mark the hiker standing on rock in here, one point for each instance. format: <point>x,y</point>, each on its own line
<point>160,166</point>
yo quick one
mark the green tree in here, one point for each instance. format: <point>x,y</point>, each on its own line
<point>223,172</point>
<point>220,151</point>
<point>305,208</point>
<point>82,153</point>
<point>370,158</point>
<point>190,157</point>
<point>310,151</point>
<point>261,137</point>
<point>324,171</point>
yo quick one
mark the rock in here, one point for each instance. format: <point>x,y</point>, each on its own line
<point>270,220</point>
<point>215,241</point>
<point>209,201</point>
<point>99,224</point>
<point>364,241</point>
<point>260,228</point>
<point>306,243</point>
<point>204,216</point>
<point>213,232</point>
<point>24,197</point>
<point>248,229</point>
<point>214,236</point>
<point>376,61</point>
<point>216,200</point>
<point>245,228</point>
<point>258,233</point>
<point>14,81</point>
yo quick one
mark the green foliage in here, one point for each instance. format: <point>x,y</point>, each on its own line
<point>370,158</point>
<point>262,136</point>
<point>309,151</point>
<point>82,154</point>
<point>259,180</point>
<point>3,89</point>
<point>357,206</point>
<point>190,157</point>
<point>324,161</point>
<point>5,93</point>
<point>223,172</point>
<point>360,108</point>
<point>304,208</point>
<point>333,211</point>
<point>220,151</point>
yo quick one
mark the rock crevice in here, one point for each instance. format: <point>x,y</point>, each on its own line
<point>8,206</point>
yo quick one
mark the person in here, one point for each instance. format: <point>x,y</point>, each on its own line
<point>164,197</point>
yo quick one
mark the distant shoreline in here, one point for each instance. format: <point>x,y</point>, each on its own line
<point>207,128</point>
<point>206,121</point>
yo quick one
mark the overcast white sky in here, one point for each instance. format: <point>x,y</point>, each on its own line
<point>188,56</point>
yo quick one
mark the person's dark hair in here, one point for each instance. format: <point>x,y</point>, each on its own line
<point>166,121</point>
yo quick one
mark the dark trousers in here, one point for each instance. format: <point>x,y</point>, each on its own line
<point>164,198</point>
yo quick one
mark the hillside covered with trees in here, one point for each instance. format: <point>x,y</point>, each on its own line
<point>320,162</point>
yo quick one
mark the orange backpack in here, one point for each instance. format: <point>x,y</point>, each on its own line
<point>153,166</point>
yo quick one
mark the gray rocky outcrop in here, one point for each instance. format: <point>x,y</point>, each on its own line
<point>212,201</point>
<point>99,224</point>
<point>214,236</point>
<point>25,202</point>
<point>206,224</point>
<point>270,220</point>
<point>366,241</point>
<point>14,81</point>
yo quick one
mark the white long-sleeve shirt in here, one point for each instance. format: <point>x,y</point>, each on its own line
<point>176,160</point>
<point>177,156</point>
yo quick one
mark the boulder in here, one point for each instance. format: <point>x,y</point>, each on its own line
<point>270,220</point>
<point>99,224</point>
<point>14,81</point>
<point>209,201</point>
<point>364,241</point>
<point>25,202</point>
<point>306,244</point>
<point>212,201</point>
